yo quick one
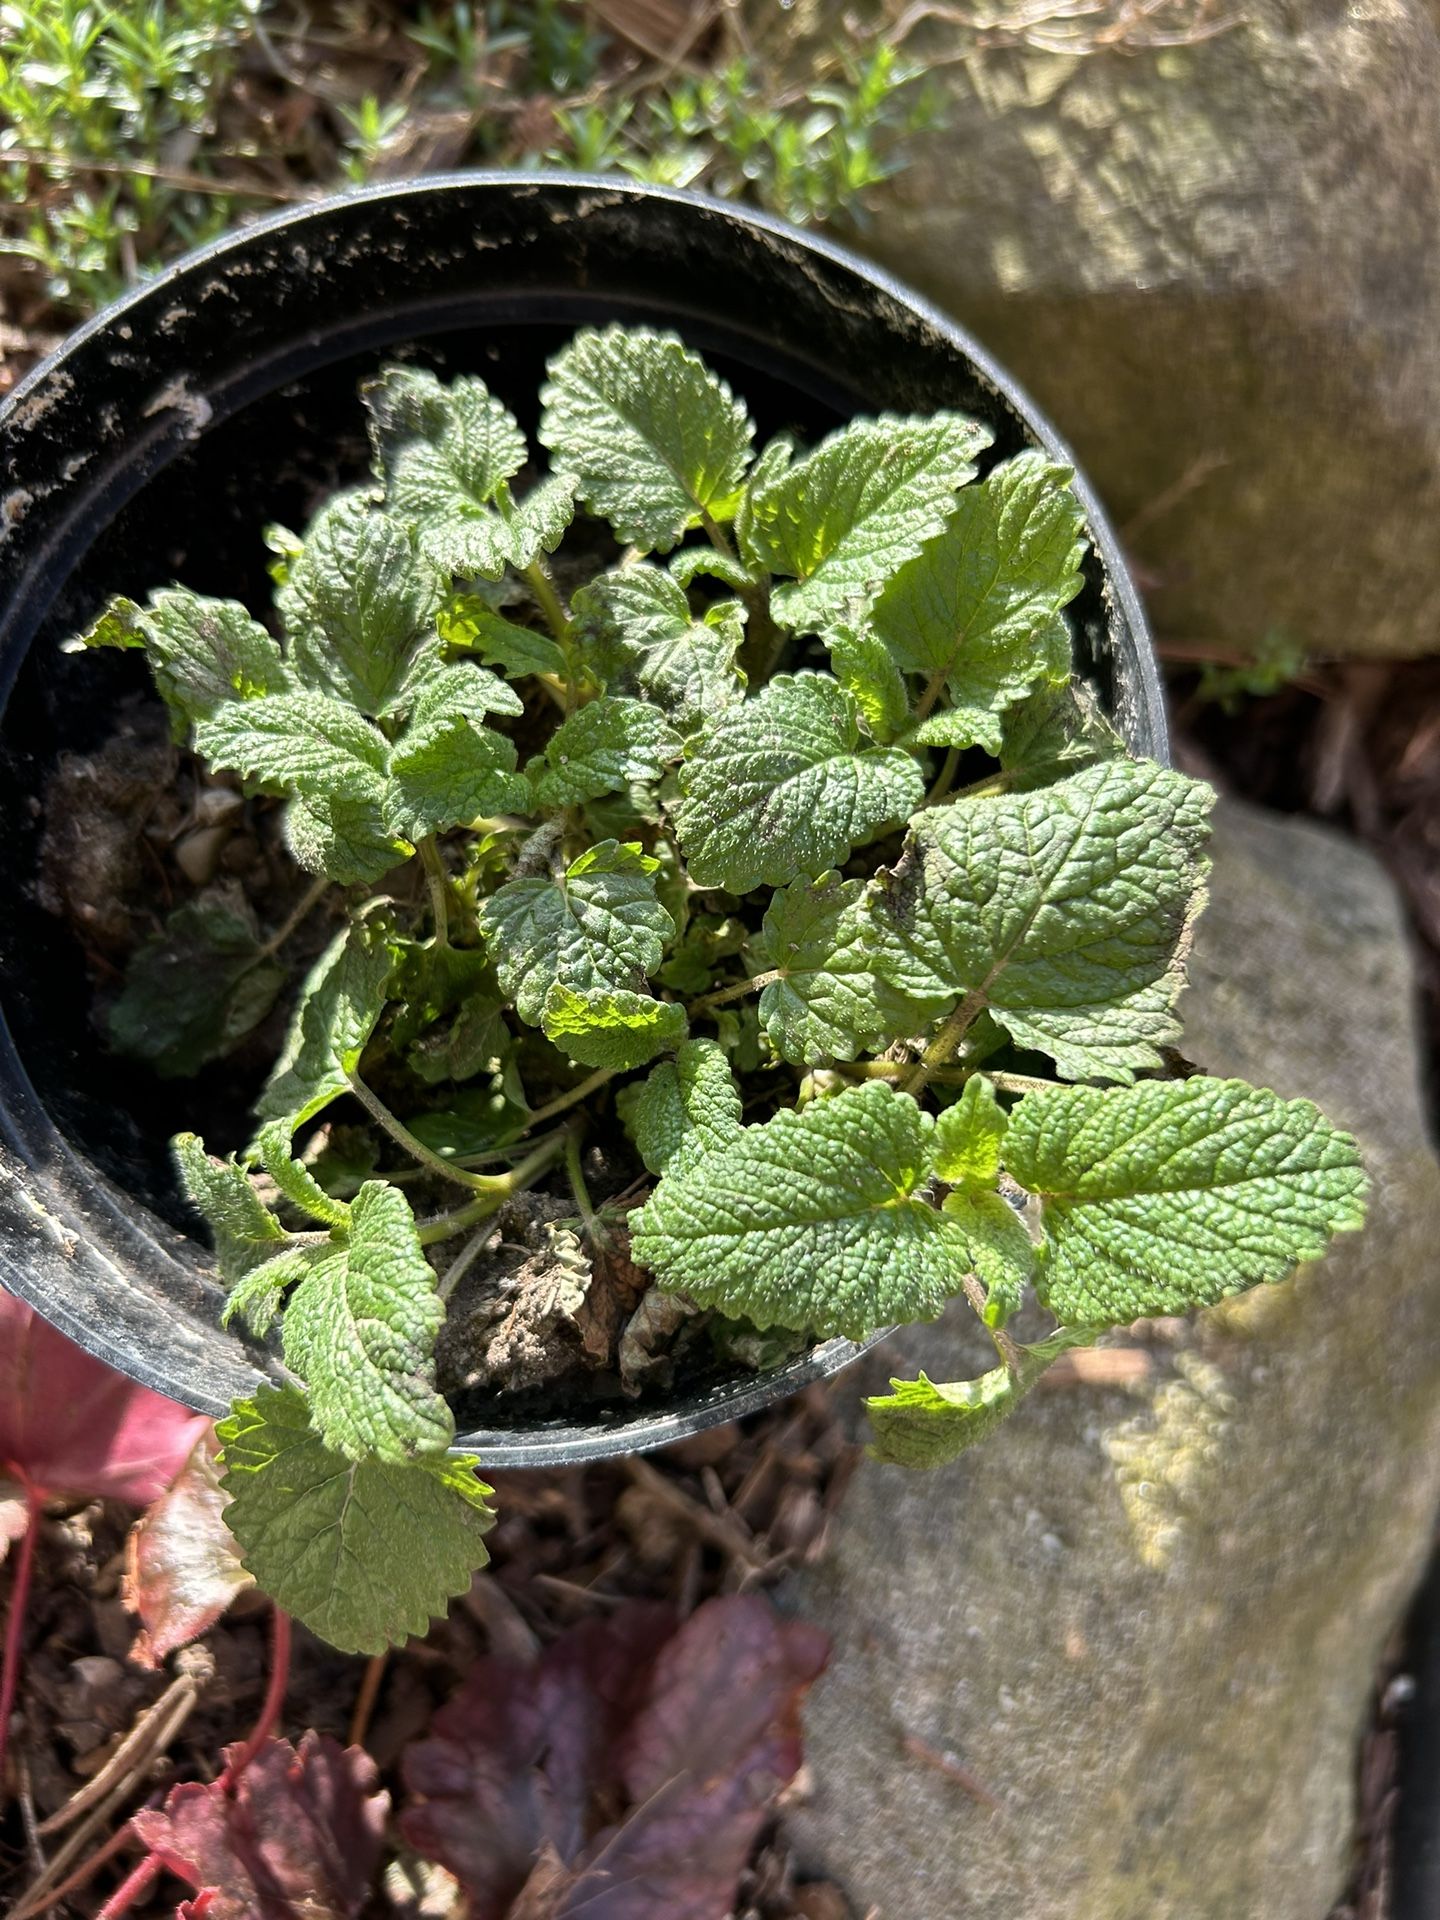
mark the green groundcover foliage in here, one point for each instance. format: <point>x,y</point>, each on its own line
<point>767,823</point>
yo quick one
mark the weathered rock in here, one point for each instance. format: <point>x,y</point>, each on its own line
<point>1147,1621</point>
<point>1215,267</point>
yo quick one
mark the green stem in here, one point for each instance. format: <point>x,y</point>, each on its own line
<point>1009,1353</point>
<point>717,535</point>
<point>737,992</point>
<point>1015,1082</point>
<point>438,883</point>
<point>565,1101</point>
<point>944,778</point>
<point>941,1049</point>
<point>537,576</point>
<point>444,1226</point>
<point>934,687</point>
<point>487,1183</point>
<point>594,1232</point>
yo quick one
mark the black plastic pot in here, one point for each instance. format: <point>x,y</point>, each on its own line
<point>167,432</point>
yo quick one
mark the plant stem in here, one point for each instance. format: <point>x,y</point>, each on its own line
<point>944,778</point>
<point>444,1226</point>
<point>136,1884</point>
<point>366,1698</point>
<point>417,1149</point>
<point>934,687</point>
<point>301,911</point>
<point>1016,1082</point>
<point>753,985</point>
<point>274,1699</point>
<point>1003,1344</point>
<point>438,883</point>
<point>15,1627</point>
<point>563,1102</point>
<point>941,1049</point>
<point>537,576</point>
<point>594,1232</point>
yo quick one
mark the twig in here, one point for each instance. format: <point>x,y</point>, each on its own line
<point>725,1533</point>
<point>301,911</point>
<point>15,1628</point>
<point>365,1700</point>
<point>754,984</point>
<point>952,1769</point>
<point>438,883</point>
<point>941,1049</point>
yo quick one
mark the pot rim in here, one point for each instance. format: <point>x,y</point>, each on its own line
<point>543,1446</point>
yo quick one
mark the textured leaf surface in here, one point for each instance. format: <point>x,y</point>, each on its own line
<point>1064,911</point>
<point>1169,1195</point>
<point>639,618</point>
<point>466,621</point>
<point>302,743</point>
<point>813,1220</point>
<point>442,452</point>
<point>865,666</point>
<point>997,1247</point>
<point>297,1837</point>
<point>360,1331</point>
<point>780,785</point>
<point>599,927</point>
<point>922,1424</point>
<point>654,435</point>
<point>968,1136</point>
<point>979,609</point>
<point>182,1567</point>
<point>445,770</point>
<point>364,1553</point>
<point>195,990</point>
<point>201,652</point>
<point>1054,731</point>
<point>826,1004</point>
<point>342,998</point>
<point>610,1027</point>
<point>359,606</point>
<point>242,1226</point>
<point>683,1107</point>
<point>600,749</point>
<point>846,517</point>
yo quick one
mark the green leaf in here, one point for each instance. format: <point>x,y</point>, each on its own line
<point>364,1553</point>
<point>687,566</point>
<point>202,652</point>
<point>243,1228</point>
<point>512,535</point>
<point>600,749</point>
<point>865,667</point>
<point>442,453</point>
<point>979,610</point>
<point>446,771</point>
<point>920,1424</point>
<point>814,1220</point>
<point>343,835</point>
<point>1170,1195</point>
<point>300,743</point>
<point>847,517</point>
<point>1065,912</point>
<point>1054,731</point>
<point>195,990</point>
<point>610,1027</point>
<point>600,927</point>
<point>446,689</point>
<point>826,1004</point>
<point>339,1005</point>
<point>466,621</point>
<point>640,616</point>
<point>999,1250</point>
<point>655,437</point>
<point>258,1295</point>
<point>359,606</point>
<point>968,1136</point>
<point>296,1182</point>
<point>780,785</point>
<point>360,1331</point>
<point>683,1107</point>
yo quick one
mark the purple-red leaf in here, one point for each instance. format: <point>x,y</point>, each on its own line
<point>182,1566</point>
<point>624,1776</point>
<point>296,1838</point>
<point>69,1425</point>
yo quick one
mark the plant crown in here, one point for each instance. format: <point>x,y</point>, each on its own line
<point>689,850</point>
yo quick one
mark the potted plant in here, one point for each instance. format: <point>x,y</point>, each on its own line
<point>733,923</point>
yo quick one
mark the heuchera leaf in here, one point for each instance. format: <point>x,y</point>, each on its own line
<point>360,1331</point>
<point>780,785</point>
<point>682,1107</point>
<point>609,1027</point>
<point>979,610</point>
<point>297,1837</point>
<point>607,744</point>
<point>340,1002</point>
<point>920,1424</point>
<point>182,1567</point>
<point>201,652</point>
<point>601,926</point>
<point>654,435</point>
<point>700,1727</point>
<point>847,517</point>
<point>364,1553</point>
<point>1169,1195</point>
<point>1066,912</point>
<point>815,1220</point>
<point>359,606</point>
<point>70,1425</point>
<point>195,990</point>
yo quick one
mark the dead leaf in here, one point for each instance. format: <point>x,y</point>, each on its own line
<point>182,1566</point>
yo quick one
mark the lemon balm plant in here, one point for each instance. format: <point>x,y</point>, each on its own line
<point>757,829</point>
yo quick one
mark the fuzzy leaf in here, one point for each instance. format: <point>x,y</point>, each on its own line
<point>202,652</point>
<point>340,1002</point>
<point>847,517</point>
<point>297,1836</point>
<point>683,1107</point>
<point>360,1331</point>
<point>343,836</point>
<point>296,1182</point>
<point>979,610</point>
<point>359,607</point>
<point>244,1230</point>
<point>655,437</point>
<point>258,1295</point>
<point>195,990</point>
<point>780,785</point>
<point>813,1220</point>
<point>920,1424</point>
<point>607,744</point>
<point>639,615</point>
<point>691,562</point>
<point>182,1567</point>
<point>445,771</point>
<point>826,1005</point>
<point>968,1136</point>
<point>1170,1195</point>
<point>997,1248</point>
<point>450,689</point>
<point>513,534</point>
<point>866,668</point>
<point>296,743</point>
<point>442,453</point>
<point>610,1027</point>
<point>599,927</point>
<point>1054,731</point>
<point>1065,912</point>
<point>308,1522</point>
<point>466,621</point>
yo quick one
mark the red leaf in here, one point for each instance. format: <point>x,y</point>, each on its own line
<point>298,1838</point>
<point>69,1425</point>
<point>701,1729</point>
<point>182,1566</point>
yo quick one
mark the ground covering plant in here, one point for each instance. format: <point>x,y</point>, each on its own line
<point>751,804</point>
